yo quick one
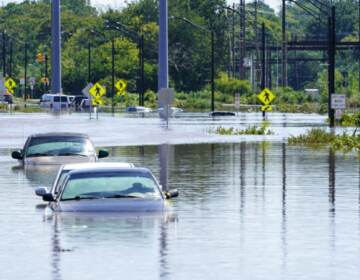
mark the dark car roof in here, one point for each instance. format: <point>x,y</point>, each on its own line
<point>109,170</point>
<point>59,134</point>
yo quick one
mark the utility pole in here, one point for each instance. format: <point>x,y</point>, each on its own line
<point>263,62</point>
<point>56,87</point>
<point>163,72</point>
<point>284,82</point>
<point>25,70</point>
<point>112,75</point>
<point>331,62</point>
<point>242,8</point>
<point>263,57</point>
<point>141,81</point>
<point>4,53</point>
<point>89,62</point>
<point>255,85</point>
<point>10,57</point>
<point>212,71</point>
<point>233,42</point>
<point>47,80</point>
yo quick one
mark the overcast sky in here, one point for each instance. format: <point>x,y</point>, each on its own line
<point>119,3</point>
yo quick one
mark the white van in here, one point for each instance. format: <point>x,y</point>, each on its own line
<point>56,102</point>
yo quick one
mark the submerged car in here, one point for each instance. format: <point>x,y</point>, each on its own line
<point>108,189</point>
<point>58,148</point>
<point>66,168</point>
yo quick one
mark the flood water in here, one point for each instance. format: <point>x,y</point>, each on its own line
<point>246,210</point>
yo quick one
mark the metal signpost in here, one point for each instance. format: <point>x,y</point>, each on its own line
<point>338,104</point>
<point>86,93</point>
<point>266,97</point>
<point>97,91</point>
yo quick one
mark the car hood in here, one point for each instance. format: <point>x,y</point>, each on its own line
<point>111,205</point>
<point>57,160</point>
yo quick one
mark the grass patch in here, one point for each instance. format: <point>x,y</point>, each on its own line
<point>251,130</point>
<point>320,137</point>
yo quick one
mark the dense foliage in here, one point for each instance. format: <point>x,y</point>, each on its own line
<point>189,47</point>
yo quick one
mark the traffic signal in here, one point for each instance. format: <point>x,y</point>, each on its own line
<point>40,57</point>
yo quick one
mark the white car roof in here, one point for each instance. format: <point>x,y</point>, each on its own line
<point>97,165</point>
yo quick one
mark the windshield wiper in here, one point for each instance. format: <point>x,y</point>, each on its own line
<point>121,196</point>
<point>79,197</point>
<point>71,154</point>
<point>38,155</point>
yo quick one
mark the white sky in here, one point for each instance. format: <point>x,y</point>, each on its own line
<point>119,3</point>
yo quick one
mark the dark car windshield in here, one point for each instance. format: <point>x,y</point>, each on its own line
<point>59,146</point>
<point>134,184</point>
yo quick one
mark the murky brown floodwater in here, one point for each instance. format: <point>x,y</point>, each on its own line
<point>245,211</point>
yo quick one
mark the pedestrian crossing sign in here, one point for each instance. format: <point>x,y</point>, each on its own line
<point>266,96</point>
<point>97,102</point>
<point>266,108</point>
<point>10,84</point>
<point>97,91</point>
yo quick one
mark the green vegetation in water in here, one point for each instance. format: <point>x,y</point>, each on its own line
<point>320,137</point>
<point>350,120</point>
<point>251,130</point>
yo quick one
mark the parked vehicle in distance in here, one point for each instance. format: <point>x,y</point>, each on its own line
<point>77,101</point>
<point>140,109</point>
<point>85,104</point>
<point>56,102</point>
<point>66,168</point>
<point>58,148</point>
<point>110,189</point>
<point>6,99</point>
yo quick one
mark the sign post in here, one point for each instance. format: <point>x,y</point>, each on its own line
<point>266,97</point>
<point>338,104</point>
<point>86,93</point>
<point>166,98</point>
<point>97,91</point>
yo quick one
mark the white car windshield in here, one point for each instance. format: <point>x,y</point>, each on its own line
<point>59,146</point>
<point>124,184</point>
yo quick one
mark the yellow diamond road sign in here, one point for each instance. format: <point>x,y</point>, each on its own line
<point>266,108</point>
<point>97,102</point>
<point>97,91</point>
<point>121,86</point>
<point>266,96</point>
<point>10,84</point>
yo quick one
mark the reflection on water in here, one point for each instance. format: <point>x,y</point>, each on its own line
<point>245,210</point>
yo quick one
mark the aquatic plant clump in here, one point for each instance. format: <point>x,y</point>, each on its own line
<point>251,130</point>
<point>320,137</point>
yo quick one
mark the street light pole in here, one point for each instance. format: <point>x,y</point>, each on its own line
<point>4,53</point>
<point>89,62</point>
<point>25,71</point>
<point>118,26</point>
<point>212,35</point>
<point>112,75</point>
<point>212,71</point>
<point>46,73</point>
<point>141,67</point>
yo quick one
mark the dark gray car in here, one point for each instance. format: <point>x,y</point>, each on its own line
<point>58,148</point>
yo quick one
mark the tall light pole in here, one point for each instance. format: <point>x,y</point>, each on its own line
<point>56,87</point>
<point>163,72</point>
<point>212,38</point>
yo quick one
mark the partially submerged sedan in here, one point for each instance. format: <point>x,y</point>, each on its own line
<point>111,189</point>
<point>58,148</point>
